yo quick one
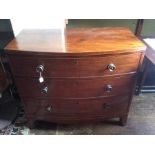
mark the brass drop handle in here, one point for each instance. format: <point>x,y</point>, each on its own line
<point>108,88</point>
<point>49,109</point>
<point>111,67</point>
<point>45,90</point>
<point>106,106</point>
<point>40,69</point>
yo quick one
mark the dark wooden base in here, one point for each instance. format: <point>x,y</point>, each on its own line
<point>123,120</point>
<point>31,124</point>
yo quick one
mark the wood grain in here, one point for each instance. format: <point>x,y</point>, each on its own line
<point>69,67</point>
<point>75,72</point>
<point>76,110</point>
<point>72,106</point>
<point>75,88</point>
<point>76,41</point>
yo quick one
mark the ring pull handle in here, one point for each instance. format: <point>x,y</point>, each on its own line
<point>49,109</point>
<point>40,69</point>
<point>109,88</point>
<point>106,106</point>
<point>111,67</point>
<point>45,90</point>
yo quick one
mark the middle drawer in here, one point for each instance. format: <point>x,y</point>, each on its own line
<point>76,87</point>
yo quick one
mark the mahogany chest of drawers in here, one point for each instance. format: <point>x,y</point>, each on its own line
<point>76,75</point>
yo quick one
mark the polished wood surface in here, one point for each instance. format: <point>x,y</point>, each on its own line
<point>75,88</point>
<point>80,85</point>
<point>75,109</point>
<point>69,67</point>
<point>76,41</point>
<point>71,106</point>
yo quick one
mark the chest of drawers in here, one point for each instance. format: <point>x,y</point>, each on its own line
<point>77,75</point>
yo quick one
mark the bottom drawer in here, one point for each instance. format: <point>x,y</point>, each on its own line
<point>70,109</point>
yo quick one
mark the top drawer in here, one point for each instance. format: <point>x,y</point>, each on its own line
<point>75,67</point>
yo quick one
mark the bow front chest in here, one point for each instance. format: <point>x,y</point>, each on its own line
<point>76,75</point>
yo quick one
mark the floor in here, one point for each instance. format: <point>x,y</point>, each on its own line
<point>141,121</point>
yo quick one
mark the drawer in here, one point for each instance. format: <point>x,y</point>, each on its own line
<point>71,107</point>
<point>52,67</point>
<point>105,86</point>
<point>75,88</point>
<point>56,88</point>
<point>99,66</point>
<point>75,67</point>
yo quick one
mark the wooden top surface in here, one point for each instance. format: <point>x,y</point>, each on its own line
<point>76,40</point>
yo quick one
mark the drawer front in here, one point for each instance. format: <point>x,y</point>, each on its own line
<point>100,66</point>
<point>77,67</point>
<point>77,88</point>
<point>52,67</point>
<point>59,107</point>
<point>30,87</point>
<point>106,86</point>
